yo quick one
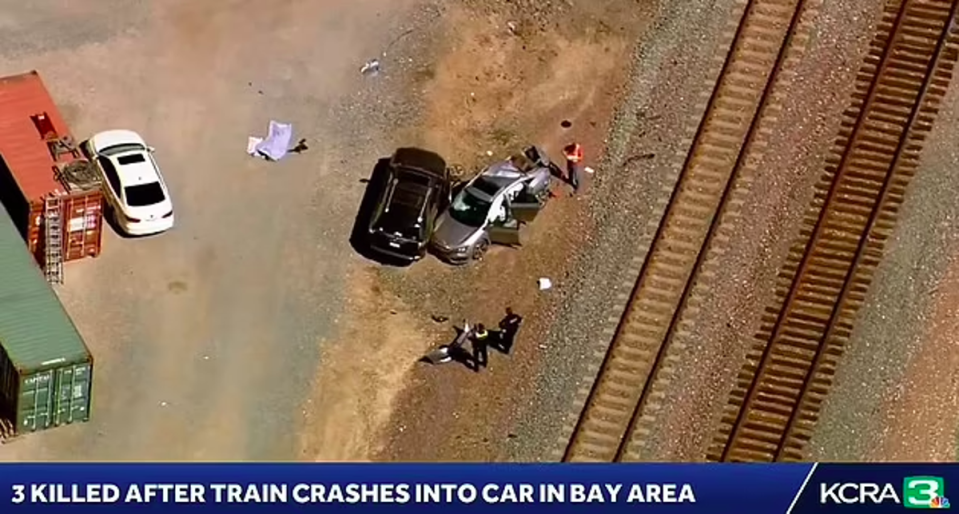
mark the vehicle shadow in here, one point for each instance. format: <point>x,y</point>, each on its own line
<point>111,221</point>
<point>359,236</point>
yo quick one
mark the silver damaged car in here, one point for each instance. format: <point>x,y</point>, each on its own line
<point>493,206</point>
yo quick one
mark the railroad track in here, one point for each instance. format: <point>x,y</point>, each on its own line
<point>712,184</point>
<point>775,403</point>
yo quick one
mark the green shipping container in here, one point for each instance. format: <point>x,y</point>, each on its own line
<point>46,370</point>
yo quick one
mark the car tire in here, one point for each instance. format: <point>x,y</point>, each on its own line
<point>480,248</point>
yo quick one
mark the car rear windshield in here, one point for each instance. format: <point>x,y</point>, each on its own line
<point>144,194</point>
<point>132,158</point>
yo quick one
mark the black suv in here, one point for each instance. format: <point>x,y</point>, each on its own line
<point>416,190</point>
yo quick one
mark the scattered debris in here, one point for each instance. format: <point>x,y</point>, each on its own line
<point>512,27</point>
<point>590,170</point>
<point>276,144</point>
<point>458,171</point>
<point>489,153</point>
<point>641,157</point>
<point>371,68</point>
<point>545,283</point>
<point>566,124</point>
<point>439,319</point>
<point>163,404</point>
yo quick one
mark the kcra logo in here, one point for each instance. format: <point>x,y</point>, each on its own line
<point>917,493</point>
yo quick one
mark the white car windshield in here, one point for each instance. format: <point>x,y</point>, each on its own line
<point>469,209</point>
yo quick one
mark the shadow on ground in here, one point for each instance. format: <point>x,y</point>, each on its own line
<point>359,236</point>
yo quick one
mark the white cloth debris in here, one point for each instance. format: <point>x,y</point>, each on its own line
<point>590,170</point>
<point>277,142</point>
<point>544,284</point>
<point>251,143</point>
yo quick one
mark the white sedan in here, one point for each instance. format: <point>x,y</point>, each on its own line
<point>134,188</point>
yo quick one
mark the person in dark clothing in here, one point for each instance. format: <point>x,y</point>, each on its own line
<point>509,326</point>
<point>479,341</point>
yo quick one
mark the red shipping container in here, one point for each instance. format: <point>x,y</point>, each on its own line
<point>29,172</point>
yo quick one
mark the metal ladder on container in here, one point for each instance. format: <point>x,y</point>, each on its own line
<point>53,247</point>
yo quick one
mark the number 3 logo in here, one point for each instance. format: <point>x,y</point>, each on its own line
<point>18,495</point>
<point>921,491</point>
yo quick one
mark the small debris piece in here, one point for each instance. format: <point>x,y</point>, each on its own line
<point>439,319</point>
<point>545,283</point>
<point>371,67</point>
<point>566,124</point>
<point>512,27</point>
<point>590,170</point>
<point>489,153</point>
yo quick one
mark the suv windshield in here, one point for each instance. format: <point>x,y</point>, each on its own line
<point>469,209</point>
<point>144,194</point>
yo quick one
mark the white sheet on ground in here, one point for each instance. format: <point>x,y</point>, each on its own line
<point>277,142</point>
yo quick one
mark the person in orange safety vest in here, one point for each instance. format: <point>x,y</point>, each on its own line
<point>574,164</point>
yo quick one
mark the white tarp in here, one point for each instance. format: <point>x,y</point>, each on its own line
<point>276,144</point>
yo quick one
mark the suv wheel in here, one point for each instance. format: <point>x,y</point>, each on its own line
<point>480,249</point>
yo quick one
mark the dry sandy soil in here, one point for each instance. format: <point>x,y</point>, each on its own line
<point>252,331</point>
<point>207,338</point>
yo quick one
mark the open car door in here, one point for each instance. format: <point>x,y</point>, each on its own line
<point>505,233</point>
<point>525,208</point>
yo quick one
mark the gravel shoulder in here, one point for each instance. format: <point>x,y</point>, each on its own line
<point>895,393</point>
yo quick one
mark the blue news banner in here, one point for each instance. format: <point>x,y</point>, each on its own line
<point>493,488</point>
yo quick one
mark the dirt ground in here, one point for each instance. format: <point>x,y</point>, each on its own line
<point>206,338</point>
<point>357,395</point>
<point>565,64</point>
<point>504,77</point>
<point>921,422</point>
<point>253,331</point>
